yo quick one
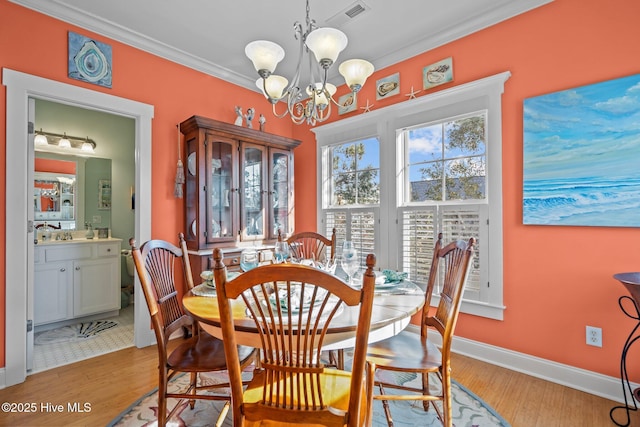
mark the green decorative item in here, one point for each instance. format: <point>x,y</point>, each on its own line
<point>392,276</point>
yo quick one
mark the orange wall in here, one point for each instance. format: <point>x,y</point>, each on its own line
<point>556,279</point>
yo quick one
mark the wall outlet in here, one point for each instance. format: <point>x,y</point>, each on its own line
<point>594,336</point>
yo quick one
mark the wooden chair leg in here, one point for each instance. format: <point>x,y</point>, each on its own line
<point>162,400</point>
<point>194,385</point>
<point>425,391</point>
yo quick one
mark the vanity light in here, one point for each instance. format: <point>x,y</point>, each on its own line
<point>63,142</point>
<point>40,139</point>
<point>87,147</point>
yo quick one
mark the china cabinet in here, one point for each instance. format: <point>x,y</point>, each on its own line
<point>238,189</point>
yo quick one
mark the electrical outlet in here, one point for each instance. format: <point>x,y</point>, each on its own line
<point>594,336</point>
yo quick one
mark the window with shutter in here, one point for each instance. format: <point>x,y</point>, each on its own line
<point>393,178</point>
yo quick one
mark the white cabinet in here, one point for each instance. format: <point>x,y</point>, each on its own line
<point>76,279</point>
<point>52,293</point>
<point>93,286</point>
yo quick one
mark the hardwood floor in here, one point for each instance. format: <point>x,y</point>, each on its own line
<point>110,383</point>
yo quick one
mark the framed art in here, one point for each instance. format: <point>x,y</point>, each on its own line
<point>89,60</point>
<point>347,103</point>
<point>581,155</point>
<point>388,86</point>
<point>104,194</point>
<point>438,73</point>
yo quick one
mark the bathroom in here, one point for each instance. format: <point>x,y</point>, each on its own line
<point>114,138</point>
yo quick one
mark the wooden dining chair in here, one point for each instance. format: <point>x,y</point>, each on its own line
<point>290,308</point>
<point>155,263</point>
<point>409,352</point>
<point>311,245</point>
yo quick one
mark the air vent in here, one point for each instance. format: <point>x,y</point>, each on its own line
<point>348,14</point>
<point>355,11</point>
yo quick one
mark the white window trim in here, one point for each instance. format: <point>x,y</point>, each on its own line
<point>480,94</point>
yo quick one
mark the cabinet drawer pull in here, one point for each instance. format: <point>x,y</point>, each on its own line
<point>62,270</point>
<point>235,261</point>
<point>77,268</point>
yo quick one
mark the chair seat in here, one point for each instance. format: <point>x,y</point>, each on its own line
<point>335,385</point>
<point>406,351</point>
<point>203,353</point>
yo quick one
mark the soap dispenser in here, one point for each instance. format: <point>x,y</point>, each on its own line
<point>89,234</point>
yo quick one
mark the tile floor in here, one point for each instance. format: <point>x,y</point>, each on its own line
<point>48,356</point>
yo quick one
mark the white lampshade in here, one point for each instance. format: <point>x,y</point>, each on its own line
<point>326,44</point>
<point>355,72</point>
<point>321,98</point>
<point>87,147</point>
<point>40,140</point>
<point>274,84</point>
<point>264,54</point>
<point>64,142</point>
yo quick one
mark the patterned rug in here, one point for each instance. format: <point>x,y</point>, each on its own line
<point>468,409</point>
<point>80,331</point>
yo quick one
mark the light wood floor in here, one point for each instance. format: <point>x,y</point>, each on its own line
<point>110,383</point>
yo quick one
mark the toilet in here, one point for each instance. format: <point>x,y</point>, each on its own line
<point>127,282</point>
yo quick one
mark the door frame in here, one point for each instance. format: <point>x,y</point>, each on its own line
<point>19,88</point>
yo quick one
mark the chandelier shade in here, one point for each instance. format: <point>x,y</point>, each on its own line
<point>273,86</point>
<point>310,103</point>
<point>355,72</point>
<point>265,56</point>
<point>326,44</point>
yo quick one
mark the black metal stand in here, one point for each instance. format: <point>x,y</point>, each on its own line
<point>630,396</point>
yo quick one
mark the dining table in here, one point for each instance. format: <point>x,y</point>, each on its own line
<point>393,305</point>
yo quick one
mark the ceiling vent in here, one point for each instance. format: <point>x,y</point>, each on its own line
<point>348,14</point>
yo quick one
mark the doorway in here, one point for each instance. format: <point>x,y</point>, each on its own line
<point>19,151</point>
<point>113,138</point>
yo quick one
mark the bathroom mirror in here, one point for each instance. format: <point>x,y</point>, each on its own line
<point>72,190</point>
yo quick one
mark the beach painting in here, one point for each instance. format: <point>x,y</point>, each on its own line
<point>582,156</point>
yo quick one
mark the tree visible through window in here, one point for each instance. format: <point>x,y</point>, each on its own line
<point>447,160</point>
<point>356,173</point>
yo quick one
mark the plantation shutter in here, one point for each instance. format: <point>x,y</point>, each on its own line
<point>420,227</point>
<point>355,224</point>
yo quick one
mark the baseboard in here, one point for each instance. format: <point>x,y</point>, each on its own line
<point>566,375</point>
<point>3,379</point>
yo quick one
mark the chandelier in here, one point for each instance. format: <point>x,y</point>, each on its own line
<point>311,104</point>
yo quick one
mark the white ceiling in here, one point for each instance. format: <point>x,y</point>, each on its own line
<point>210,36</point>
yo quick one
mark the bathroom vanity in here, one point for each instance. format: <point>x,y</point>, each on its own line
<point>76,278</point>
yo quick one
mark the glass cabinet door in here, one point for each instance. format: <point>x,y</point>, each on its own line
<point>253,184</point>
<point>220,186</point>
<point>280,195</point>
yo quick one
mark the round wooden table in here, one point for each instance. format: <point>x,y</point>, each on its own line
<point>393,307</point>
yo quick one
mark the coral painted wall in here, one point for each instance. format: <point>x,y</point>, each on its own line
<point>557,280</point>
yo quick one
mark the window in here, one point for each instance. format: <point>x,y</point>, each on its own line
<point>438,169</point>
<point>354,193</point>
<point>444,178</point>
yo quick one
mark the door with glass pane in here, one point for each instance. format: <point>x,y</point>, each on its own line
<point>221,190</point>
<point>253,189</point>
<point>280,193</point>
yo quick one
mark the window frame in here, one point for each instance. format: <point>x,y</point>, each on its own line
<point>483,94</point>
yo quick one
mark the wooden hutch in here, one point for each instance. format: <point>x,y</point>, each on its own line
<point>238,190</point>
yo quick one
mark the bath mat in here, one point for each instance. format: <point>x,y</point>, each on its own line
<point>80,331</point>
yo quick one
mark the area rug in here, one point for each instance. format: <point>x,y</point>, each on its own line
<point>80,331</point>
<point>468,409</point>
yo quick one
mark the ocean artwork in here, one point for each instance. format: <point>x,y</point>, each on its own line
<point>582,156</point>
